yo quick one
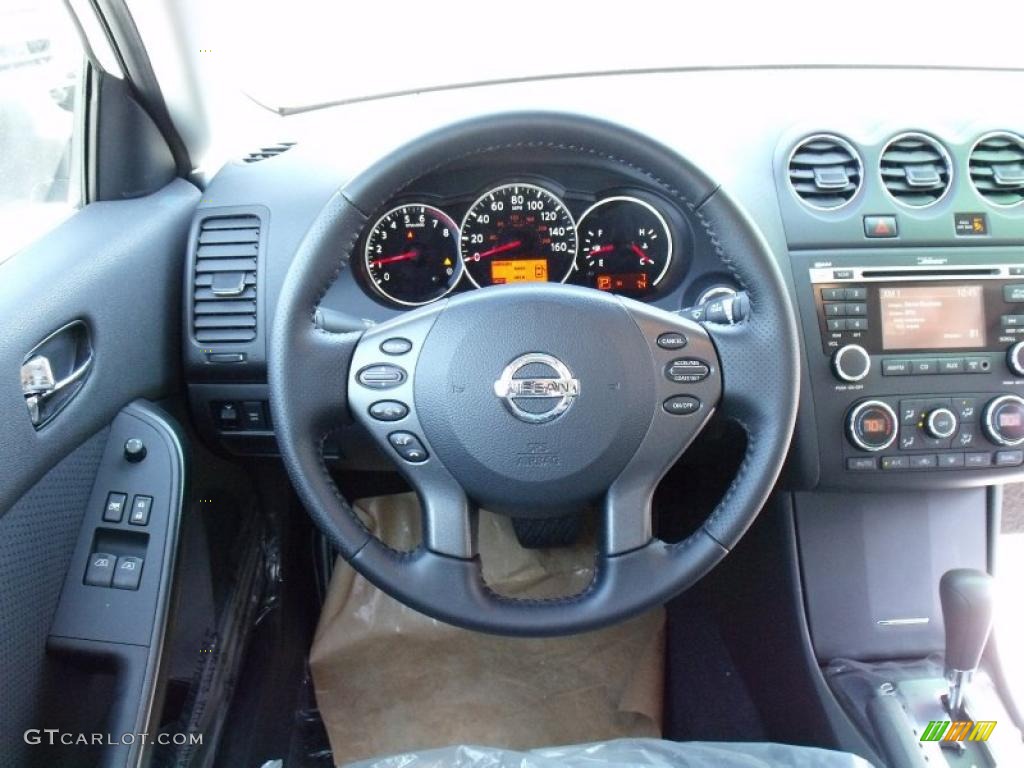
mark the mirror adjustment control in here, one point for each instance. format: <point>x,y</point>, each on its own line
<point>1015,358</point>
<point>941,423</point>
<point>1003,420</point>
<point>851,363</point>
<point>871,425</point>
<point>134,450</point>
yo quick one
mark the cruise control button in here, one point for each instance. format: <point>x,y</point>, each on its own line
<point>687,370</point>
<point>672,340</point>
<point>381,376</point>
<point>389,410</point>
<point>408,446</point>
<point>682,405</point>
<point>395,346</point>
<point>1009,458</point>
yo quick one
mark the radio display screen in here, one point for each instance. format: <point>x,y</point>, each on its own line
<point>932,317</point>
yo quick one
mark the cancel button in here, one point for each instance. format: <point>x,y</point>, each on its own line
<point>682,405</point>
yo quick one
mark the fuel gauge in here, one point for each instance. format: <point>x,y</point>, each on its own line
<point>625,246</point>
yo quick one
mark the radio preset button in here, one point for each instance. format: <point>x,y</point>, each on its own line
<point>857,309</point>
<point>833,294</point>
<point>833,309</point>
<point>857,324</point>
<point>837,323</point>
<point>856,294</point>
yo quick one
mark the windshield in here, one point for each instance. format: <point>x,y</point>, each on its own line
<point>301,53</point>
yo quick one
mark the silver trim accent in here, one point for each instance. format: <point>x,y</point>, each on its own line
<point>852,419</point>
<point>942,151</point>
<point>999,272</point>
<point>990,135</point>
<point>564,386</point>
<point>715,291</point>
<point>903,622</point>
<point>930,426</point>
<point>1013,361</point>
<point>837,362</point>
<point>959,680</point>
<point>513,185</point>
<point>990,429</point>
<point>642,203</point>
<point>846,145</point>
<point>457,233</point>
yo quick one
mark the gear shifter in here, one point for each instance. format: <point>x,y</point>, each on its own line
<point>966,596</point>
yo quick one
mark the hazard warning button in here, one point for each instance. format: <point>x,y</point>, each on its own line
<point>880,226</point>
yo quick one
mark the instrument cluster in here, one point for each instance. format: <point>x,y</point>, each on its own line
<point>626,241</point>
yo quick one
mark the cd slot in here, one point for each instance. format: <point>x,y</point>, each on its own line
<point>919,274</point>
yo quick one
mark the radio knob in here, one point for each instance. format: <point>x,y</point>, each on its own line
<point>1015,358</point>
<point>1003,420</point>
<point>871,425</point>
<point>851,363</point>
<point>941,423</point>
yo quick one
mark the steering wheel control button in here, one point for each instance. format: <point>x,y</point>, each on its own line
<point>134,450</point>
<point>687,370</point>
<point>100,570</point>
<point>871,425</point>
<point>941,423</point>
<point>537,387</point>
<point>381,376</point>
<point>672,340</point>
<point>682,405</point>
<point>395,346</point>
<point>389,410</point>
<point>1004,420</point>
<point>408,446</point>
<point>128,573</point>
<point>113,512</point>
<point>851,363</point>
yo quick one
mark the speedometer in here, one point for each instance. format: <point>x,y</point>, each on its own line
<point>518,233</point>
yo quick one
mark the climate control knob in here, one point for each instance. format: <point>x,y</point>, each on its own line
<point>941,423</point>
<point>851,363</point>
<point>1003,420</point>
<point>871,425</point>
<point>1015,358</point>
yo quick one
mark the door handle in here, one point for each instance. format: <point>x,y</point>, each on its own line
<point>68,351</point>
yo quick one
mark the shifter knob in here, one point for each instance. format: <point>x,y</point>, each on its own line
<point>966,596</point>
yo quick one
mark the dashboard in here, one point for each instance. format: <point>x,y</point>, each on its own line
<point>901,239</point>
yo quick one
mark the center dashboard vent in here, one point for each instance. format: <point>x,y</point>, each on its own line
<point>997,168</point>
<point>271,151</point>
<point>916,170</point>
<point>825,171</point>
<point>224,281</point>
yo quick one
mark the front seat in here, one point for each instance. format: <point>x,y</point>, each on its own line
<point>625,752</point>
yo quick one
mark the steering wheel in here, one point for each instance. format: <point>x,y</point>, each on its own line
<point>535,398</point>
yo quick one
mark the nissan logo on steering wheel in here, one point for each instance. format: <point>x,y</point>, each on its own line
<point>537,388</point>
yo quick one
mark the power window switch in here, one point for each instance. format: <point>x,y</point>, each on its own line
<point>100,570</point>
<point>141,507</point>
<point>128,573</point>
<point>114,509</point>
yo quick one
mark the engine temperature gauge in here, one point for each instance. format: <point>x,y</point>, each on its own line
<point>625,246</point>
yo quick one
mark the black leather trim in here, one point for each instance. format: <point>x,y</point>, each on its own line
<point>308,367</point>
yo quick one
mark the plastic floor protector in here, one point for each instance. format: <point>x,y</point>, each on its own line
<point>651,753</point>
<point>390,680</point>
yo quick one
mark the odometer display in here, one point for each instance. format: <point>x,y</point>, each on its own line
<point>518,233</point>
<point>412,254</point>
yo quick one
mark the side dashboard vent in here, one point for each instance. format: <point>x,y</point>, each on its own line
<point>825,171</point>
<point>224,282</point>
<point>264,152</point>
<point>997,168</point>
<point>916,170</point>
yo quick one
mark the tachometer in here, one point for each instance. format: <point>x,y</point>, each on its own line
<point>518,233</point>
<point>625,246</point>
<point>412,254</point>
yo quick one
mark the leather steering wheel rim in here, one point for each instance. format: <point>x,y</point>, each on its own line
<point>309,371</point>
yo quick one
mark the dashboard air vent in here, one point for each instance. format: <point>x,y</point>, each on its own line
<point>224,284</point>
<point>997,168</point>
<point>264,152</point>
<point>916,170</point>
<point>825,171</point>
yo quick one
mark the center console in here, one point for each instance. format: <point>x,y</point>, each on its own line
<point>916,360</point>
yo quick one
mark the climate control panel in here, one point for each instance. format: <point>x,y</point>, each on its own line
<point>941,432</point>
